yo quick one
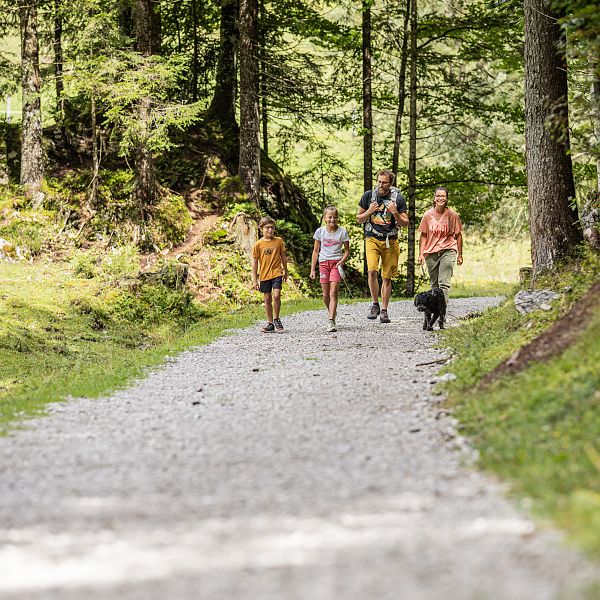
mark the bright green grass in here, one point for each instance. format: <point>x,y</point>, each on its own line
<point>490,268</point>
<point>49,350</point>
<point>539,428</point>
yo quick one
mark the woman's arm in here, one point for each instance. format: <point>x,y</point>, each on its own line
<point>459,242</point>
<point>421,245</point>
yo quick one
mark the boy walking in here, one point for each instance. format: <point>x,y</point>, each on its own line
<point>270,261</point>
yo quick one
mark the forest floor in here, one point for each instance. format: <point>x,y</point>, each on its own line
<point>301,465</point>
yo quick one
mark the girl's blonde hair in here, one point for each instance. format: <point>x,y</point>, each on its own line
<point>330,207</point>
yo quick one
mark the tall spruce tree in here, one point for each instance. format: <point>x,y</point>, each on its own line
<point>249,168</point>
<point>32,162</point>
<point>553,219</point>
<point>147,37</point>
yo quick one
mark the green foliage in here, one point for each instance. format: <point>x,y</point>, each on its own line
<point>30,231</point>
<point>85,264</point>
<point>120,262</point>
<point>171,221</point>
<point>231,273</point>
<point>234,207</point>
<point>117,263</point>
<point>216,236</point>
<point>297,243</point>
<point>155,305</point>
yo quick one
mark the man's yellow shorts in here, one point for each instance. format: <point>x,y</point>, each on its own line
<point>376,250</point>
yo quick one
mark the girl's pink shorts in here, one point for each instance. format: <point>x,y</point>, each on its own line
<point>328,273</point>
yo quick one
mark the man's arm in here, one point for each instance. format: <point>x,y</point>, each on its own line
<point>364,214</point>
<point>401,217</point>
<point>399,212</point>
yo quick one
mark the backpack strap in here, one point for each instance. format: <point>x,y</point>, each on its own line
<point>369,227</point>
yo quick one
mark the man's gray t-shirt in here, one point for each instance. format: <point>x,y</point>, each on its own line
<point>332,243</point>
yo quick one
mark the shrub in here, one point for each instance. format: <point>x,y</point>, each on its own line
<point>171,221</point>
<point>85,264</point>
<point>30,231</point>
<point>121,261</point>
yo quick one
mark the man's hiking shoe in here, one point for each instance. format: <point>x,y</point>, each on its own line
<point>375,310</point>
<point>278,324</point>
<point>331,327</point>
<point>270,328</point>
<point>384,317</point>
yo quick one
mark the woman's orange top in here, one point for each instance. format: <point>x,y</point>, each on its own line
<point>440,233</point>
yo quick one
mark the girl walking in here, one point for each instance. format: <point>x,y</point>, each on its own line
<point>331,250</point>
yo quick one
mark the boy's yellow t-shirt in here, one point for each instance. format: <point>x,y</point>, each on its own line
<point>269,254</point>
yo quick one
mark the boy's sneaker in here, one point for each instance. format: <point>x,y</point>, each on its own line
<point>331,327</point>
<point>375,310</point>
<point>384,317</point>
<point>270,328</point>
<point>278,324</point>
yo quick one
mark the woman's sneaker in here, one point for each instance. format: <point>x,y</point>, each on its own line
<point>331,326</point>
<point>270,328</point>
<point>278,324</point>
<point>383,317</point>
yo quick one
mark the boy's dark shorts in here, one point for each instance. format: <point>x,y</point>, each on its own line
<point>270,284</point>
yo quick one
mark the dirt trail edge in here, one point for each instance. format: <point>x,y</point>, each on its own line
<point>295,466</point>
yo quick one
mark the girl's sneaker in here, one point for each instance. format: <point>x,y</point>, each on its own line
<point>270,328</point>
<point>278,325</point>
<point>331,327</point>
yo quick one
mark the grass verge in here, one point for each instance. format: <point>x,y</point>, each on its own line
<point>57,338</point>
<point>538,428</point>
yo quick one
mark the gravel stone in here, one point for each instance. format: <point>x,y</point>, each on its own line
<point>295,466</point>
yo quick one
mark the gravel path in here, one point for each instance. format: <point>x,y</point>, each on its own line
<point>295,466</point>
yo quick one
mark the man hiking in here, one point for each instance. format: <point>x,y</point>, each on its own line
<point>382,210</point>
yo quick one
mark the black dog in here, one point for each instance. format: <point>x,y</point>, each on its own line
<point>433,304</point>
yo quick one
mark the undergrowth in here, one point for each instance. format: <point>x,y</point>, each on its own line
<point>539,428</point>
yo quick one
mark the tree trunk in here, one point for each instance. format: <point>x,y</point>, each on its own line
<point>595,105</point>
<point>195,53</point>
<point>32,164</point>
<point>367,97</point>
<point>249,168</point>
<point>367,111</point>
<point>412,153</point>
<point>58,63</point>
<point>263,80</point>
<point>553,221</point>
<point>222,106</point>
<point>401,91</point>
<point>93,193</point>
<point>146,17</point>
<point>147,31</point>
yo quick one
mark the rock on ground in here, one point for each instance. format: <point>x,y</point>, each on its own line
<point>296,466</point>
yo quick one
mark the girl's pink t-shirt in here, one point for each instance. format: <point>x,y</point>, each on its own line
<point>440,234</point>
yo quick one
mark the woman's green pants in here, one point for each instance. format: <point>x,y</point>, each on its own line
<point>440,266</point>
